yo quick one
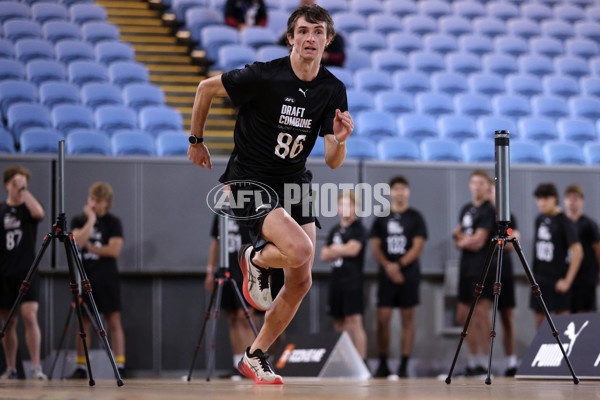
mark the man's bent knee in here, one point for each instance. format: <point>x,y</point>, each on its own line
<point>299,287</point>
<point>300,253</point>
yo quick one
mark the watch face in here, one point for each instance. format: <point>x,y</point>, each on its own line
<point>193,139</point>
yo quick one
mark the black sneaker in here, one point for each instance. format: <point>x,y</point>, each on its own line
<point>382,370</point>
<point>402,372</point>
<point>79,373</point>
<point>476,371</point>
<point>122,372</point>
<point>511,372</point>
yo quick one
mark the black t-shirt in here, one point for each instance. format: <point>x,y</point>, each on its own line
<point>280,117</point>
<point>588,236</point>
<point>348,271</point>
<point>238,235</point>
<point>507,267</point>
<point>553,236</point>
<point>17,239</point>
<point>239,8</point>
<point>397,232</point>
<point>106,227</point>
<point>471,219</point>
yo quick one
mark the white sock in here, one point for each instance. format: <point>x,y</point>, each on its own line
<point>472,360</point>
<point>236,359</point>
<point>512,361</point>
<point>482,359</point>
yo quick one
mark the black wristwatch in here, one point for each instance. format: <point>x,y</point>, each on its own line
<point>195,139</point>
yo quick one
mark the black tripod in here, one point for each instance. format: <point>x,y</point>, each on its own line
<point>222,277</point>
<point>59,231</point>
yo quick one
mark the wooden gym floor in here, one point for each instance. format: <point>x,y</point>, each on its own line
<point>413,389</point>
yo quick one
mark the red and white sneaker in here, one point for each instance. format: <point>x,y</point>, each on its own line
<point>257,283</point>
<point>258,368</point>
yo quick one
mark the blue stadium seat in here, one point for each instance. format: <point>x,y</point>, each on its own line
<point>110,119</point>
<point>469,9</point>
<point>348,22</point>
<point>17,29</point>
<point>486,126</point>
<point>464,63</point>
<point>501,64</point>
<point>179,7</point>
<point>535,11</point>
<point>525,85</point>
<point>361,148</point>
<point>473,104</point>
<point>359,100</point>
<point>55,31</point>
<point>550,106</point>
<point>511,105</point>
<point>13,10</point>
<point>67,117</point>
<point>449,82</point>
<point>333,6</point>
<point>110,52</point>
<point>132,143</point>
<point>489,26</point>
<point>122,73</point>
<point>7,50</point>
<point>455,25</point>
<point>393,102</point>
<point>96,32</point>
<point>440,43</point>
<point>398,149</point>
<point>558,29</point>
<point>257,36</point>
<point>375,124</point>
<point>434,149</point>
<point>570,13</point>
<point>214,37</point>
<point>584,48</point>
<point>372,80</point>
<point>489,84</point>
<point>159,119</point>
<point>427,62</point>
<point>573,66</point>
<point>23,116</point>
<point>7,142</point>
<point>234,56</point>
<point>577,130</point>
<point>434,8</point>
<point>41,71</point>
<point>12,92</point>
<point>170,144</point>
<point>563,153</point>
<point>55,93</point>
<point>83,72</point>
<point>400,8</point>
<point>595,65</point>
<point>526,152</point>
<point>87,142</point>
<point>502,10</point>
<point>419,24</point>
<point>417,127</point>
<point>561,85</point>
<point>403,41</point>
<point>69,3</point>
<point>538,129</point>
<point>343,75</point>
<point>40,141</point>
<point>513,45</point>
<point>585,107</point>
<point>356,60</point>
<point>476,44</point>
<point>140,95</point>
<point>84,13</point>
<point>434,104</point>
<point>478,151</point>
<point>524,28</point>
<point>389,60</point>
<point>384,23</point>
<point>277,22</point>
<point>44,12</point>
<point>536,65</point>
<point>591,152</point>
<point>68,51</point>
<point>33,49</point>
<point>94,95</point>
<point>458,127</point>
<point>590,86</point>
<point>268,53</point>
<point>546,46</point>
<point>410,81</point>
<point>367,41</point>
<point>366,7</point>
<point>593,13</point>
<point>198,18</point>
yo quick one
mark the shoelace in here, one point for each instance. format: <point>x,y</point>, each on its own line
<point>263,278</point>
<point>264,363</point>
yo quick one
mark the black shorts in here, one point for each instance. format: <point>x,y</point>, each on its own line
<point>507,294</point>
<point>105,290</point>
<point>9,290</point>
<point>228,298</point>
<point>344,302</point>
<point>583,298</point>
<point>390,294</point>
<point>466,288</point>
<point>556,302</point>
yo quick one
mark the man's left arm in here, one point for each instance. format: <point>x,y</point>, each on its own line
<point>335,144</point>
<point>35,208</point>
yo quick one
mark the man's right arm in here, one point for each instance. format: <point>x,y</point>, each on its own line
<point>82,235</point>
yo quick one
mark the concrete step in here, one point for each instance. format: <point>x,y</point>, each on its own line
<point>160,49</point>
<point>150,59</point>
<point>134,21</point>
<point>148,39</point>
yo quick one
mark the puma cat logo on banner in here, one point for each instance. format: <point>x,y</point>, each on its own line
<point>303,91</point>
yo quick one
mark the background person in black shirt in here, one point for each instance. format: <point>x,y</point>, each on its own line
<point>99,235</point>
<point>472,236</point>
<point>345,250</point>
<point>242,13</point>
<point>20,213</point>
<point>397,241</point>
<point>557,253</point>
<point>583,293</point>
<point>284,105</point>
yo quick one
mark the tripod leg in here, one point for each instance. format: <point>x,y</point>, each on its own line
<point>26,284</point>
<point>233,284</point>
<point>87,289</point>
<point>476,294</point>
<point>199,344</point>
<point>497,290</point>
<point>213,331</point>
<point>62,340</point>
<point>538,294</point>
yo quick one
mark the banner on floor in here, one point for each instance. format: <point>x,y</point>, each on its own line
<point>579,336</point>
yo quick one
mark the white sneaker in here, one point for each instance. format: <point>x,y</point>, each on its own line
<point>258,368</point>
<point>256,286</point>
<point>10,373</point>
<point>37,374</point>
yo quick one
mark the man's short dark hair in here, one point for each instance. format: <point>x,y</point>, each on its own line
<point>399,179</point>
<point>312,14</point>
<point>574,189</point>
<point>482,173</point>
<point>546,190</point>
<point>13,170</point>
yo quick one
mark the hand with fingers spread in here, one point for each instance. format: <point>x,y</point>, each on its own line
<point>343,125</point>
<point>199,155</point>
